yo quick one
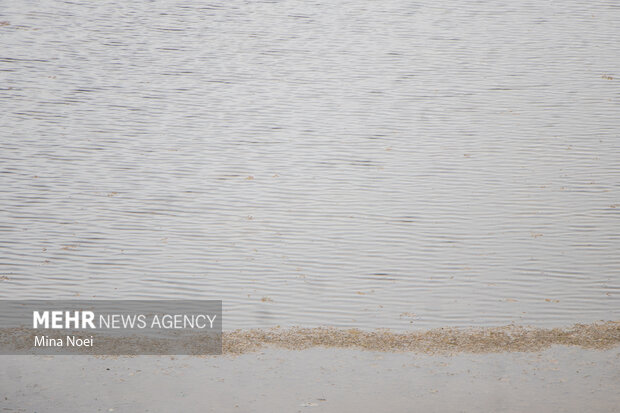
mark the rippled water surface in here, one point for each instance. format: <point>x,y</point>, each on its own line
<point>350,163</point>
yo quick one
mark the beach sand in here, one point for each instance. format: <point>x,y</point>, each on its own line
<point>317,379</point>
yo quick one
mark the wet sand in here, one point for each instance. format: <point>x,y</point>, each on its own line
<point>511,368</point>
<point>560,378</point>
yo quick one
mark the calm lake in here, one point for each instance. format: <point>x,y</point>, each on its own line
<point>369,164</point>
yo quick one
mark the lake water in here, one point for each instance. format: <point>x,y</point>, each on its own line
<point>366,164</point>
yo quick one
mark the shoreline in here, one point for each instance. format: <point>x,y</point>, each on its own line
<point>443,341</point>
<point>510,338</point>
<point>568,379</point>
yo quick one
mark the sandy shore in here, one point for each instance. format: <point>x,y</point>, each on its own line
<point>511,368</point>
<point>560,378</point>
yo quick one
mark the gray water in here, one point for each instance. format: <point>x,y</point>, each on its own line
<point>349,163</point>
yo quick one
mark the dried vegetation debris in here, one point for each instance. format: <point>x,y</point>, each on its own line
<point>603,335</point>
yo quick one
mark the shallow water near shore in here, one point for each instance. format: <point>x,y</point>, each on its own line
<point>349,164</point>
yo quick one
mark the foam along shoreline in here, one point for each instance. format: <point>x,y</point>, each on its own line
<point>511,338</point>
